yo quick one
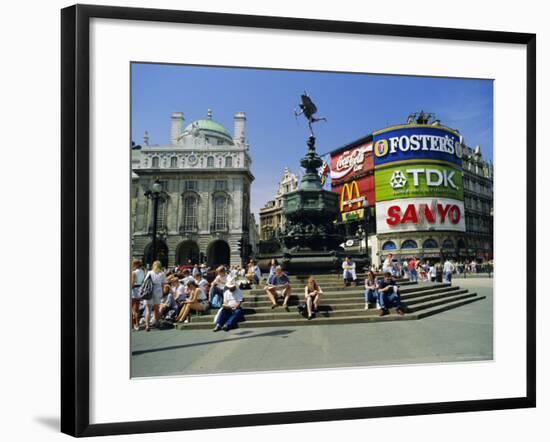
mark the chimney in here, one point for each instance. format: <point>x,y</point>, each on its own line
<point>177,127</point>
<point>240,121</point>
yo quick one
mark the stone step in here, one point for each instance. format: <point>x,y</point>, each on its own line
<point>340,298</point>
<point>340,291</point>
<point>350,319</point>
<point>351,315</point>
<point>330,310</point>
<point>324,287</point>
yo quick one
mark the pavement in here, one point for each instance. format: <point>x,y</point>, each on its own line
<point>461,334</point>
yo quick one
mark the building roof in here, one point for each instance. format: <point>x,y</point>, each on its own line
<point>209,126</point>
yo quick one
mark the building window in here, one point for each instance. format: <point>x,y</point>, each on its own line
<point>190,205</point>
<point>192,185</point>
<point>156,162</point>
<point>461,244</point>
<point>448,244</point>
<point>220,185</point>
<point>409,244</point>
<point>220,213</point>
<point>173,162</point>
<point>389,245</point>
<point>228,161</point>
<point>430,244</point>
<point>210,162</point>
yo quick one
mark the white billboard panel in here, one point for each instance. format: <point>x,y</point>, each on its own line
<point>412,214</point>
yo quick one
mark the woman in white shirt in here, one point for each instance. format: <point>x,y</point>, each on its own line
<point>158,277</point>
<point>136,279</point>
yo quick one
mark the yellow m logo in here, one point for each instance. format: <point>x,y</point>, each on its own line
<point>350,195</point>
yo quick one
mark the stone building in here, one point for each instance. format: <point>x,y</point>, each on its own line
<point>478,204</point>
<point>272,220</point>
<point>204,215</point>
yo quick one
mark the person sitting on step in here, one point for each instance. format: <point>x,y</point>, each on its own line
<point>371,290</point>
<point>312,297</point>
<point>388,295</point>
<point>278,284</point>
<point>349,275</point>
<point>196,301</point>
<point>231,311</point>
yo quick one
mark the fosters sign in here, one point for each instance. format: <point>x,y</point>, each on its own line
<point>419,214</point>
<point>419,180</point>
<point>402,143</point>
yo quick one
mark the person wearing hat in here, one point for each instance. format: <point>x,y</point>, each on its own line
<point>230,311</point>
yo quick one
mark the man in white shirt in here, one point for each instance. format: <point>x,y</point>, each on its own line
<point>387,265</point>
<point>349,275</point>
<point>231,311</point>
<point>448,269</point>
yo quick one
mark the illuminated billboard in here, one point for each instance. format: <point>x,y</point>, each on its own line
<point>351,163</point>
<point>418,181</point>
<point>416,142</point>
<point>414,214</point>
<point>355,195</point>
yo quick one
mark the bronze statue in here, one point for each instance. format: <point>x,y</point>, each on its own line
<point>308,109</point>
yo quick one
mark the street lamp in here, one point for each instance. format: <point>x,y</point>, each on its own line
<point>366,214</point>
<point>155,194</point>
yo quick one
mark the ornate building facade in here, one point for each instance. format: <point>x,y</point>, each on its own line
<point>204,214</point>
<point>272,220</point>
<point>478,204</point>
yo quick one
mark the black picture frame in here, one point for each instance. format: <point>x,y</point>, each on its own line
<point>75,213</point>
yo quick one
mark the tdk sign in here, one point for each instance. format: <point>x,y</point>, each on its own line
<point>402,143</point>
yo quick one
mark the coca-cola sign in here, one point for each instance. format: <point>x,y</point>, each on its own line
<point>351,163</point>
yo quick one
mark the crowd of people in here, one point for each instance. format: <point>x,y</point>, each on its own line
<point>417,270</point>
<point>175,294</point>
<point>172,295</point>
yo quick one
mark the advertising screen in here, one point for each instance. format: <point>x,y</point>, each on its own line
<point>414,142</point>
<point>418,181</point>
<point>354,196</point>
<point>351,163</point>
<point>414,214</point>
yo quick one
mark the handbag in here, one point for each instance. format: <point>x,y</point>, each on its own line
<point>146,289</point>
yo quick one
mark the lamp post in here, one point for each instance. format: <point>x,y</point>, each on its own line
<point>155,194</point>
<point>366,214</point>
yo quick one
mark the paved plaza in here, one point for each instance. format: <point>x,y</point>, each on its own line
<point>460,334</point>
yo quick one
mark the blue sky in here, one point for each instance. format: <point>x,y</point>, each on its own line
<point>354,104</point>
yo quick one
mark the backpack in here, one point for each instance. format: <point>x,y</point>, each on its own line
<point>146,289</point>
<point>216,301</point>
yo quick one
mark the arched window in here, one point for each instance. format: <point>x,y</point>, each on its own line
<point>190,205</point>
<point>173,162</point>
<point>228,161</point>
<point>461,244</point>
<point>220,213</point>
<point>409,244</point>
<point>210,162</point>
<point>430,244</point>
<point>156,162</point>
<point>448,244</point>
<point>389,245</point>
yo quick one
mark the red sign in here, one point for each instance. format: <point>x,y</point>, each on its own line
<point>351,163</point>
<point>440,212</point>
<point>353,194</point>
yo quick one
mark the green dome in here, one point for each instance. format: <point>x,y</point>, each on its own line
<point>211,126</point>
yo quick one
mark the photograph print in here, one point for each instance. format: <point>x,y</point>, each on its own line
<point>295,220</point>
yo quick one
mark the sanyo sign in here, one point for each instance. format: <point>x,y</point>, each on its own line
<point>420,214</point>
<point>417,142</point>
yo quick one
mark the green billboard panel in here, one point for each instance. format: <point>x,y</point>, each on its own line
<point>418,181</point>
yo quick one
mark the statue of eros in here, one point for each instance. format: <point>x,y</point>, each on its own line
<point>308,109</point>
